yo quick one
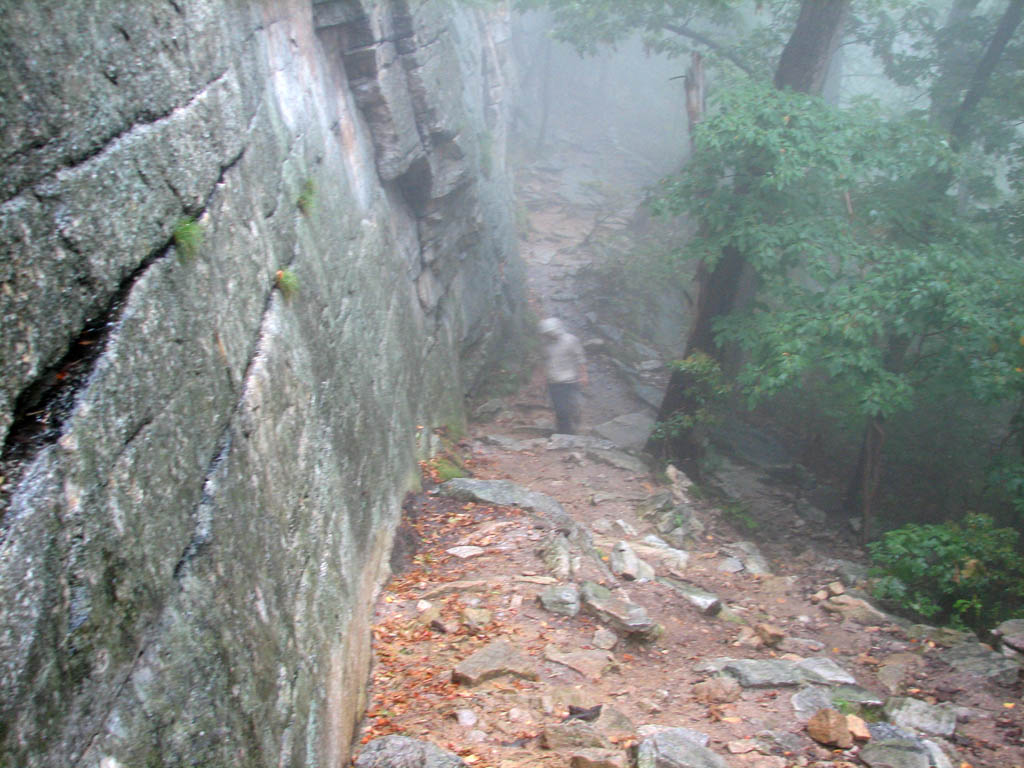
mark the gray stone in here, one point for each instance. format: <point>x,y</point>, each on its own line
<point>625,563</point>
<point>466,551</point>
<point>753,560</point>
<point>977,659</point>
<point>557,556</point>
<point>403,752</point>
<point>730,565</point>
<point>605,639</point>
<point>673,748</point>
<point>825,670</point>
<point>895,753</point>
<point>598,758</point>
<point>563,599</point>
<point>809,700</point>
<point>497,659</point>
<point>704,601</point>
<point>628,431</point>
<point>572,735</point>
<point>764,673</point>
<point>623,616</point>
<point>578,443</point>
<point>620,460</point>
<point>933,719</point>
<point>194,561</point>
<point>849,572</point>
<point>592,664</point>
<point>507,493</point>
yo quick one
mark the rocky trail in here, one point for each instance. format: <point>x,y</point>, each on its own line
<point>564,606</point>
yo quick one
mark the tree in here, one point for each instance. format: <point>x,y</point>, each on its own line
<point>802,67</point>
<point>864,284</point>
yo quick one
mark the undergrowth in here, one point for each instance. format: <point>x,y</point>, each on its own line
<point>967,574</point>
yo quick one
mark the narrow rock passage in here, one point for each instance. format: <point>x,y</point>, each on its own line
<point>564,607</point>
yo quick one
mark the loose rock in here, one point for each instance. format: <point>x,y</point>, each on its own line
<point>495,660</point>
<point>401,751</point>
<point>563,599</point>
<point>828,726</point>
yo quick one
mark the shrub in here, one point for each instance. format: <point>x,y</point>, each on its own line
<point>287,282</point>
<point>967,574</point>
<point>307,198</point>
<point>188,236</point>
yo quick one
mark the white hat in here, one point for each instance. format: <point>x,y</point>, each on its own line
<point>551,326</point>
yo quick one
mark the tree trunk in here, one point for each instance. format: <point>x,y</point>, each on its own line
<point>983,73</point>
<point>806,57</point>
<point>874,439</point>
<point>803,67</point>
<point>545,97</point>
<point>694,95</point>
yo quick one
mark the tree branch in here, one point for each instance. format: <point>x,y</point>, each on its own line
<point>707,42</point>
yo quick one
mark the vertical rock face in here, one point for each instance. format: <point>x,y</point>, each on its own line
<point>202,472</point>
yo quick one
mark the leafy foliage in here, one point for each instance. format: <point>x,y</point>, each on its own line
<point>867,273</point>
<point>287,282</point>
<point>966,574</point>
<point>710,392</point>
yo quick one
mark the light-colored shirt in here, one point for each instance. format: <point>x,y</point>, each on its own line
<point>565,359</point>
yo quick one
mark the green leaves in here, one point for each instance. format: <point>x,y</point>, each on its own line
<point>965,574</point>
<point>867,273</point>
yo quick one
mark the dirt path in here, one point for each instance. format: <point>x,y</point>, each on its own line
<point>476,576</point>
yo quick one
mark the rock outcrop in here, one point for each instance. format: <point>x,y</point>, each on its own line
<point>252,253</point>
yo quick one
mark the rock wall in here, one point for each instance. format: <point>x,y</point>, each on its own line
<point>251,252</point>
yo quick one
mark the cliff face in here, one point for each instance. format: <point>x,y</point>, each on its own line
<point>251,252</point>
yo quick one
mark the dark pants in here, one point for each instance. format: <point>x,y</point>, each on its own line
<point>565,397</point>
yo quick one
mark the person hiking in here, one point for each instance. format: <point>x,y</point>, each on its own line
<point>566,369</point>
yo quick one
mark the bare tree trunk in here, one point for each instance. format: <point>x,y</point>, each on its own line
<point>874,440</point>
<point>695,98</point>
<point>545,96</point>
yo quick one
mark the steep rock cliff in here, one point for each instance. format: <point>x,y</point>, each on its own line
<point>251,253</point>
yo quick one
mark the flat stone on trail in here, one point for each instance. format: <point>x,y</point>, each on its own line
<point>571,735</point>
<point>466,552</point>
<point>895,753</point>
<point>674,748</point>
<point>933,719</point>
<point>764,673</point>
<point>598,758</point>
<point>563,599</point>
<point>507,494</point>
<point>623,616</point>
<point>620,460</point>
<point>591,664</point>
<point>704,601</point>
<point>855,609</point>
<point>977,659</point>
<point>821,669</point>
<point>498,659</point>
<point>630,430</point>
<point>401,751</point>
